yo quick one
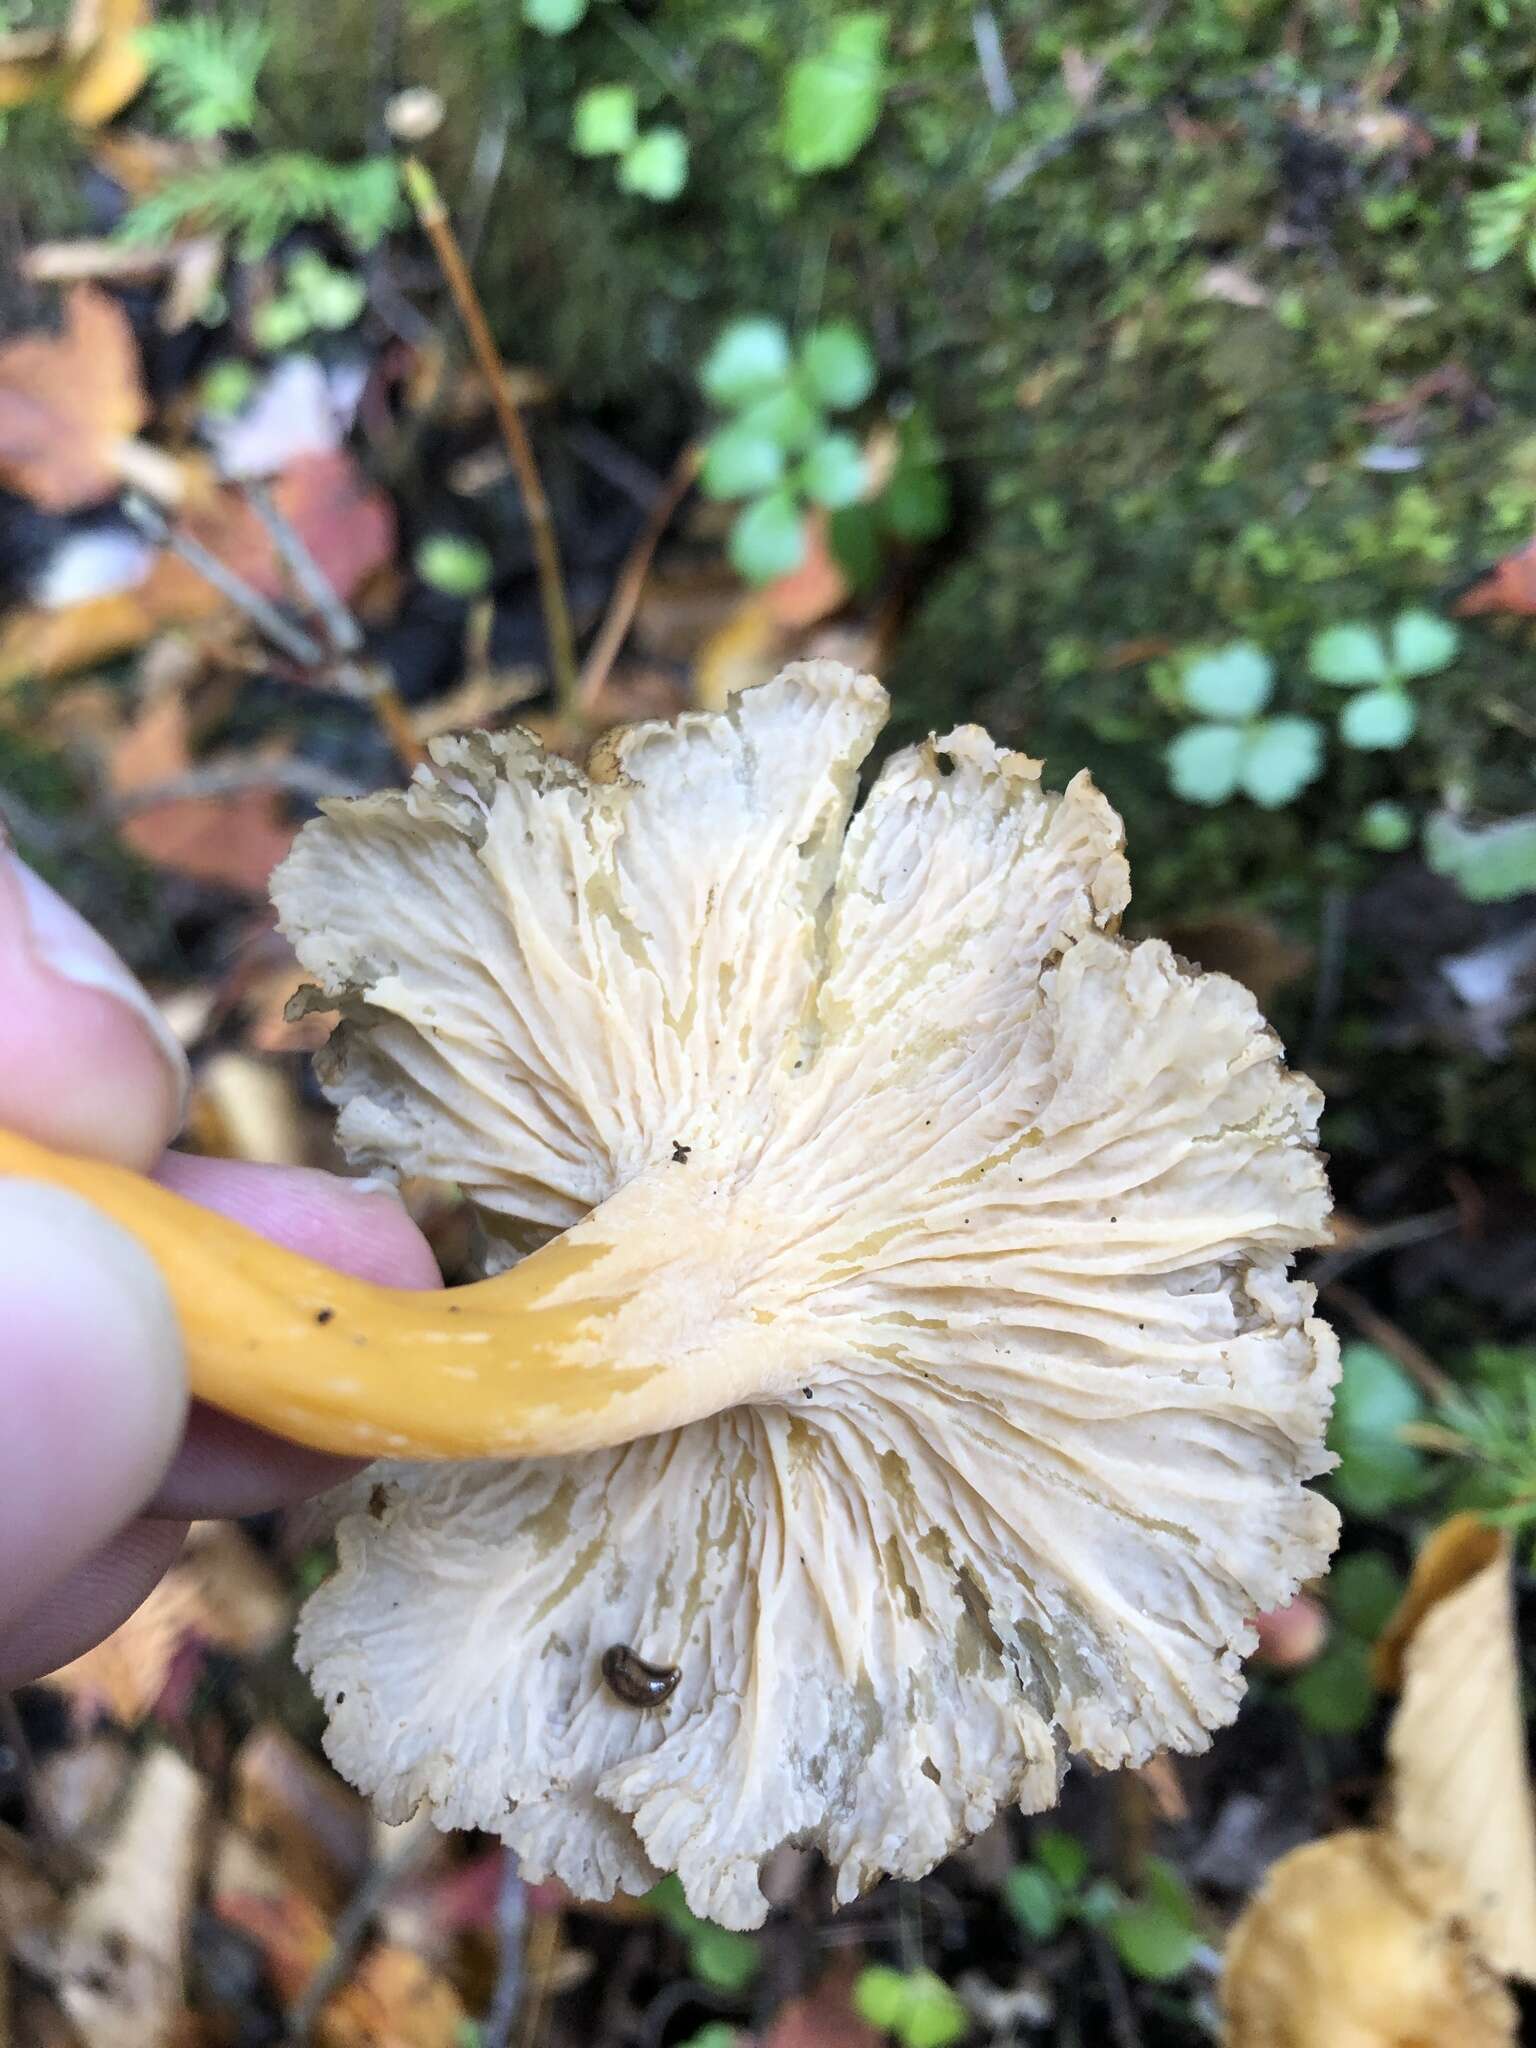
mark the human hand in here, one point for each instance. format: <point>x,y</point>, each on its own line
<point>102,1461</point>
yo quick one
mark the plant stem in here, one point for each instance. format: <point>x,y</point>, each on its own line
<point>437,227</point>
<point>626,592</point>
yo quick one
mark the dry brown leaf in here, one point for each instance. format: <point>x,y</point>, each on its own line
<point>221,1592</point>
<point>1355,1942</point>
<point>299,1814</point>
<point>826,2018</point>
<point>1461,1788</point>
<point>119,1966</point>
<point>235,840</point>
<point>745,650</point>
<point>1509,586</point>
<point>68,402</point>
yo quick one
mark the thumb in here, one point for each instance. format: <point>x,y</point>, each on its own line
<point>92,1385</point>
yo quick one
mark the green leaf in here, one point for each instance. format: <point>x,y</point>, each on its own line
<point>554,17</point>
<point>1203,763</point>
<point>768,538</point>
<point>750,358</point>
<point>1153,1943</point>
<point>880,1995</point>
<point>1350,656</point>
<point>603,122</point>
<point>915,504</point>
<point>1423,644</point>
<point>1034,1899</point>
<point>226,388</point>
<point>332,298</point>
<point>656,167</point>
<point>1099,1903</point>
<point>838,366</point>
<point>833,474</point>
<point>1063,1856</point>
<point>1363,1590</point>
<point>717,2034</point>
<point>1385,827</point>
<point>1233,682</point>
<point>1280,757</point>
<point>1488,863</point>
<point>740,464</point>
<point>454,564</point>
<point>277,324</point>
<point>1378,720</point>
<point>832,100</point>
<point>1374,1402</point>
<point>934,2017</point>
<point>723,1960</point>
<point>205,72</point>
<point>855,542</point>
<point>672,1909</point>
<point>784,417</point>
<point>1335,1695</point>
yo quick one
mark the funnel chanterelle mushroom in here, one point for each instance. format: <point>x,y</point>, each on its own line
<point>961,1226</point>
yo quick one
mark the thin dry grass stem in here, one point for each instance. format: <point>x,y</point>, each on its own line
<point>343,634</point>
<point>438,229</point>
<point>631,580</point>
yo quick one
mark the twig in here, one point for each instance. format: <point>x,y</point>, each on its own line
<point>266,617</point>
<point>438,229</point>
<point>345,635</point>
<point>351,1932</point>
<point>496,2028</point>
<point>1122,2014</point>
<point>996,83</point>
<point>1381,1331</point>
<point>631,580</point>
<point>290,777</point>
<point>341,629</point>
<point>1386,1237</point>
<point>1333,936</point>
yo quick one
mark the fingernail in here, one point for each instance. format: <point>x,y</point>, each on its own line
<point>62,942</point>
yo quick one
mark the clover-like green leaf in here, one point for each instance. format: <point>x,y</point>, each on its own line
<point>750,359</point>
<point>1378,720</point>
<point>832,100</point>
<point>1363,1590</point>
<point>740,464</point>
<point>1374,1403</point>
<point>1488,863</point>
<point>554,17</point>
<point>1280,757</point>
<point>604,121</point>
<point>833,474</point>
<point>768,538</point>
<point>1423,644</point>
<point>838,365</point>
<point>1231,682</point>
<point>1034,1899</point>
<point>1203,763</point>
<point>1385,827</point>
<point>785,417</point>
<point>1350,656</point>
<point>655,166</point>
<point>1335,1695</point>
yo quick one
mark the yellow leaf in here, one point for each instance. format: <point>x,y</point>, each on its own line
<point>1461,1785</point>
<point>1355,1942</point>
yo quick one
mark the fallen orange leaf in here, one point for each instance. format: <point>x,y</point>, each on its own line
<point>67,404</point>
<point>1509,586</point>
<point>236,839</point>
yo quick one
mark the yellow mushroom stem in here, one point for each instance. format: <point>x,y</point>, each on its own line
<point>563,1353</point>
